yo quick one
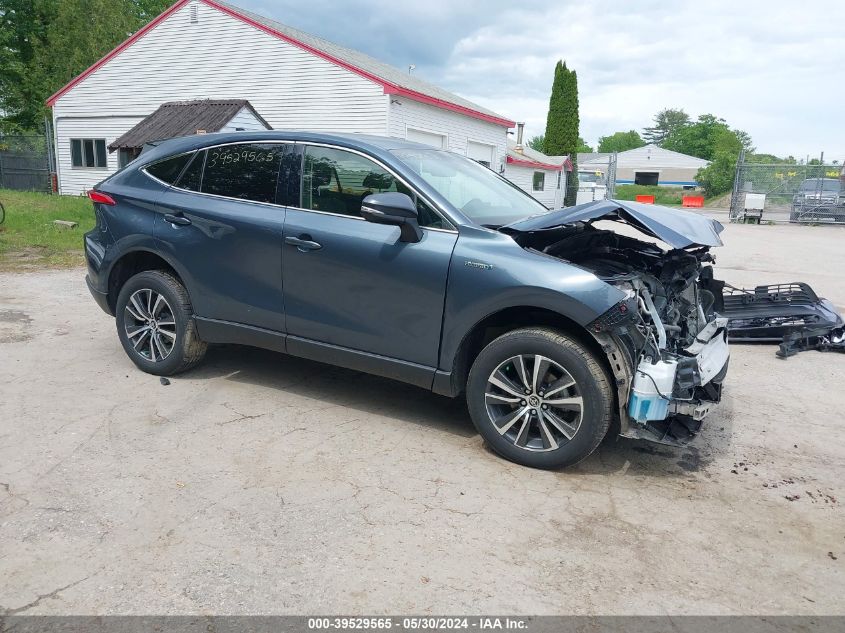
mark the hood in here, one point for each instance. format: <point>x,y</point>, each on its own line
<point>679,229</point>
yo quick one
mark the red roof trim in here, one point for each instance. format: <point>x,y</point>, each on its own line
<point>132,39</point>
<point>418,96</point>
<point>534,164</point>
<point>389,88</point>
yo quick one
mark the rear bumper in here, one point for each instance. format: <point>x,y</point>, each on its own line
<point>102,298</point>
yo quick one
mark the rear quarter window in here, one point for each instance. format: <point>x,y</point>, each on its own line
<point>169,169</point>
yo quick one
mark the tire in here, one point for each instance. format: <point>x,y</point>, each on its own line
<point>173,324</point>
<point>540,439</point>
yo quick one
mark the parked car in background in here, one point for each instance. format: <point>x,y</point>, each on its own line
<point>417,264</point>
<point>819,199</point>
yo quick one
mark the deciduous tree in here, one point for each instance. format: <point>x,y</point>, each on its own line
<point>666,122</point>
<point>45,43</point>
<point>620,141</point>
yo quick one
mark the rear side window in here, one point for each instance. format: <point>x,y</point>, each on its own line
<point>191,178</point>
<point>247,171</point>
<point>168,170</point>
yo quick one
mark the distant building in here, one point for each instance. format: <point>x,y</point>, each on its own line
<point>648,165</point>
<point>210,49</point>
<point>541,176</point>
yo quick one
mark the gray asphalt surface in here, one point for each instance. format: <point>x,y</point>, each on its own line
<point>260,483</point>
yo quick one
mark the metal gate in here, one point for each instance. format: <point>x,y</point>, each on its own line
<point>807,192</point>
<point>24,163</point>
<point>597,179</point>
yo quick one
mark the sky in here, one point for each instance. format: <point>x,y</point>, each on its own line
<point>775,69</point>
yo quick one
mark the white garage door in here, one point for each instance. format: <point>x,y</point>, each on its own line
<point>427,138</point>
<point>482,152</point>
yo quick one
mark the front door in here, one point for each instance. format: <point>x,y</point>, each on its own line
<point>222,224</point>
<point>353,284</point>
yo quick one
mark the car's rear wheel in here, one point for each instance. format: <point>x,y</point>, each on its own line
<point>156,326</point>
<point>539,398</point>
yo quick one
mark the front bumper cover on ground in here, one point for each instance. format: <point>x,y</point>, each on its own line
<point>791,314</point>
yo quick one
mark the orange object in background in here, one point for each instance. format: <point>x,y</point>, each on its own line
<point>645,199</point>
<point>692,201</point>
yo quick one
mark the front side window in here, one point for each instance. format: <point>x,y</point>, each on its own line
<point>539,181</point>
<point>337,181</point>
<point>479,193</point>
<point>247,171</point>
<point>88,153</point>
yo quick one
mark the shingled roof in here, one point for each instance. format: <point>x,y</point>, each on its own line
<point>183,118</point>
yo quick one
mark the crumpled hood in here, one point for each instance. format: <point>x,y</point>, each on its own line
<point>679,229</point>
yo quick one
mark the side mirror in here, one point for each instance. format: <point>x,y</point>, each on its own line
<point>396,209</point>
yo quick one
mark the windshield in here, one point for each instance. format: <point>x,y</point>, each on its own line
<point>822,184</point>
<point>475,190</point>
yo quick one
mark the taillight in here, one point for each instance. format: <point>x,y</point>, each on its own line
<point>102,198</point>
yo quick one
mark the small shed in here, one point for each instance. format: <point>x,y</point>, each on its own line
<point>184,118</point>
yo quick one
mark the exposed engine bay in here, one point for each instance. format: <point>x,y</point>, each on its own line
<point>674,342</point>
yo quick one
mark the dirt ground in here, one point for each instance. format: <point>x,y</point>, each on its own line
<point>260,483</point>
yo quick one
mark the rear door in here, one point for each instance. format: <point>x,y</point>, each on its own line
<point>223,224</point>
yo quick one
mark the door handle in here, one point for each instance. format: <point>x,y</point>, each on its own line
<point>179,219</point>
<point>303,244</point>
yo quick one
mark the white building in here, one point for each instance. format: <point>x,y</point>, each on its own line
<point>648,165</point>
<point>542,176</point>
<point>207,49</point>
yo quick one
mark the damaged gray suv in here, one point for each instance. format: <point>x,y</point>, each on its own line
<point>422,266</point>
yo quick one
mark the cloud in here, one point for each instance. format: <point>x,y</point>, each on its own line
<point>774,69</point>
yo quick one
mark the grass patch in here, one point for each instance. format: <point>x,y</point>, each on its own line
<point>662,195</point>
<point>28,237</point>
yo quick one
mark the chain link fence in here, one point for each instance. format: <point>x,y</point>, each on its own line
<point>597,179</point>
<point>789,192</point>
<point>25,163</point>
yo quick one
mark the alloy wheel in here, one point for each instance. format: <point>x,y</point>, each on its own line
<point>150,325</point>
<point>534,402</point>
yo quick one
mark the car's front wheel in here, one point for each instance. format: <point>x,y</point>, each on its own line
<point>156,326</point>
<point>539,398</point>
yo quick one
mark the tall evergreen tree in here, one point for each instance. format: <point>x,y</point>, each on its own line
<point>562,123</point>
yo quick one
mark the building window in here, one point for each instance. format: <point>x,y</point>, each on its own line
<point>559,178</point>
<point>539,181</point>
<point>88,152</point>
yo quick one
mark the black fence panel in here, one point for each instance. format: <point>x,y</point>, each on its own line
<point>24,163</point>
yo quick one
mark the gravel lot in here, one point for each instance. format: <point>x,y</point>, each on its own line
<point>261,483</point>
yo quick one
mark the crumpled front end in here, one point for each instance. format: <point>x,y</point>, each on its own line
<point>666,344</point>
